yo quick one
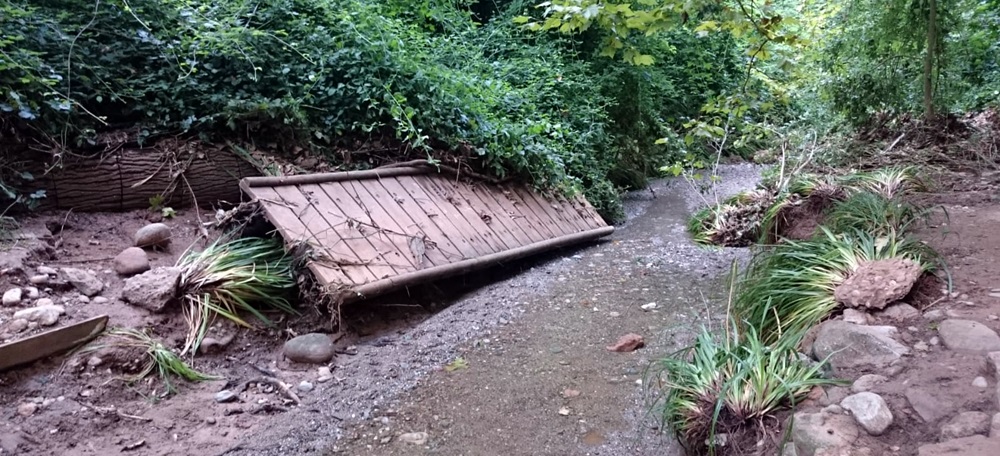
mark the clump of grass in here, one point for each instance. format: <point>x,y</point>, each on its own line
<point>790,287</point>
<point>873,213</point>
<point>227,278</point>
<point>888,182</point>
<point>735,222</point>
<point>158,359</point>
<point>720,391</point>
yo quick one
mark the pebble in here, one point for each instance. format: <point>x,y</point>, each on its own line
<point>313,348</point>
<point>94,361</point>
<point>614,314</point>
<point>17,325</point>
<point>304,387</point>
<point>42,315</point>
<point>980,382</point>
<point>648,307</point>
<point>921,346</point>
<point>27,409</point>
<point>31,292</point>
<point>225,396</point>
<point>131,261</point>
<point>46,270</point>
<point>210,420</point>
<point>12,297</point>
<point>83,299</point>
<point>153,235</point>
<point>935,340</point>
<point>44,302</point>
<point>414,438</point>
<point>324,375</point>
<point>99,300</point>
<point>84,281</point>
<point>40,279</point>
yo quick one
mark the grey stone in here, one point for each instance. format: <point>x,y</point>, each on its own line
<point>31,292</point>
<point>934,315</point>
<point>930,407</point>
<point>312,348</point>
<point>85,282</point>
<point>12,297</point>
<point>976,445</point>
<point>131,261</point>
<point>324,375</point>
<point>27,409</point>
<point>966,424</point>
<point>821,431</point>
<point>13,259</point>
<point>40,279</point>
<point>304,387</point>
<point>41,302</point>
<point>99,300</point>
<point>855,316</point>
<point>152,290</point>
<point>153,235</point>
<point>848,345</point>
<point>414,438</point>
<point>833,395</point>
<point>877,283</point>
<point>968,336</point>
<point>17,325</point>
<point>995,426</point>
<point>867,382</point>
<point>993,364</point>
<point>47,270</point>
<point>870,411</point>
<point>43,315</point>
<point>921,346</point>
<point>980,382</point>
<point>225,396</point>
<point>900,312</point>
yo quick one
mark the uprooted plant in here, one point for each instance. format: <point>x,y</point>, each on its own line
<point>791,286</point>
<point>721,393</point>
<point>231,277</point>
<point>144,355</point>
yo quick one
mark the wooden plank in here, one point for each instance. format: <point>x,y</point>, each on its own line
<point>391,238</point>
<point>514,214</point>
<point>553,207</point>
<point>401,222</point>
<point>451,245</point>
<point>457,230</point>
<point>545,226</point>
<point>349,216</point>
<point>447,191</point>
<point>545,213</point>
<point>499,220</point>
<point>291,227</point>
<point>567,210</point>
<point>50,342</point>
<point>342,250</point>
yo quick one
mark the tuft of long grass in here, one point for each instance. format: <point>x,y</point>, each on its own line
<point>730,384</point>
<point>229,278</point>
<point>159,359</point>
<point>873,213</point>
<point>735,222</point>
<point>790,287</point>
<point>888,182</point>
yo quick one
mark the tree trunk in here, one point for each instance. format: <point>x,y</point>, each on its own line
<point>126,179</point>
<point>929,61</point>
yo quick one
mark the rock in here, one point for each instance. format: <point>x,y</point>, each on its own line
<point>995,426</point>
<point>16,325</point>
<point>927,405</point>
<point>153,235</point>
<point>814,432</point>
<point>12,297</point>
<point>649,306</point>
<point>993,364</point>
<point>878,283</point>
<point>211,344</point>
<point>414,438</point>
<point>84,281</point>
<point>976,445</point>
<point>870,411</point>
<point>304,387</point>
<point>47,270</point>
<point>934,315</point>
<point>627,343</point>
<point>40,279</point>
<point>847,345</point>
<point>935,341</point>
<point>131,261</point>
<point>968,336</point>
<point>900,312</point>
<point>99,300</point>
<point>152,290</point>
<point>83,299</point>
<point>966,424</point>
<point>855,316</point>
<point>324,375</point>
<point>27,409</point>
<point>867,382</point>
<point>225,396</point>
<point>43,315</point>
<point>833,395</point>
<point>31,292</point>
<point>42,302</point>
<point>94,361</point>
<point>312,348</point>
<point>13,259</point>
<point>980,382</point>
<point>921,346</point>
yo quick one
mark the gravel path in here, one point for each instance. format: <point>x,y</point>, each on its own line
<point>533,376</point>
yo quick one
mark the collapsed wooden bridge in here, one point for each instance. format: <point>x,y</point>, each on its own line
<point>374,231</point>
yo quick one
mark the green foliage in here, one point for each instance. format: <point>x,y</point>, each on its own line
<point>232,277</point>
<point>729,385</point>
<point>789,287</point>
<point>159,359</point>
<point>873,213</point>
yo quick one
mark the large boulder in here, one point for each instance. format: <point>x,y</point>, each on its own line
<point>821,432</point>
<point>86,283</point>
<point>966,424</point>
<point>152,290</point>
<point>847,345</point>
<point>876,284</point>
<point>968,337</point>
